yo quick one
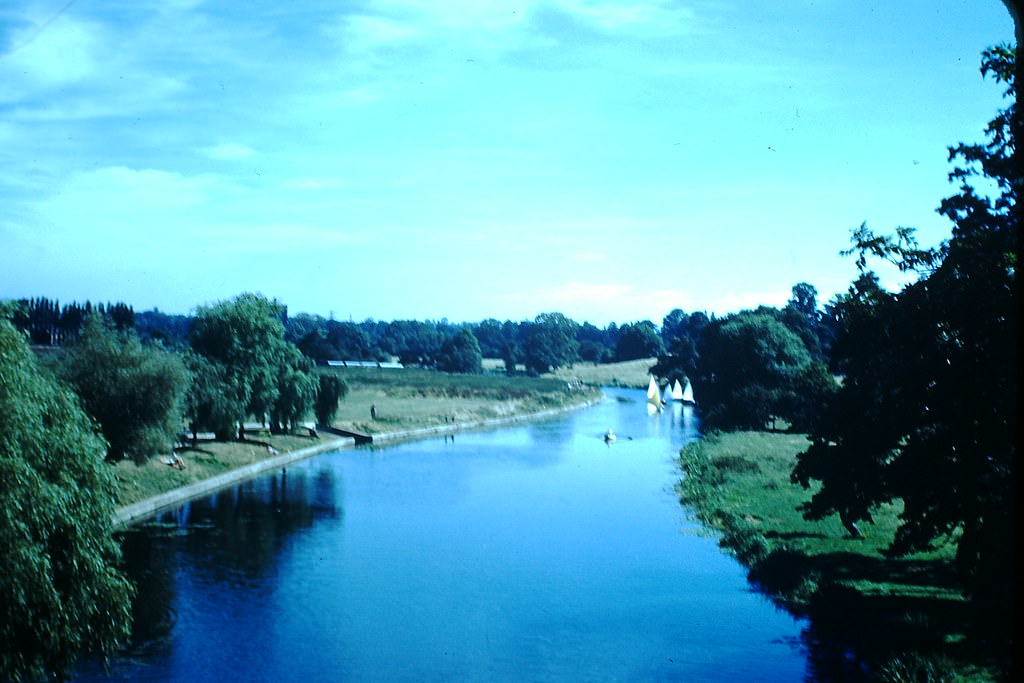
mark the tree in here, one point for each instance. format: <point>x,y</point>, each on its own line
<point>349,341</point>
<point>315,346</point>
<point>414,342</point>
<point>330,390</point>
<point>492,337</point>
<point>296,390</point>
<point>753,369</point>
<point>672,325</point>
<point>461,353</point>
<point>932,370</point>
<point>210,405</point>
<point>60,591</point>
<point>246,337</point>
<point>638,340</point>
<point>549,343</point>
<point>136,393</point>
<point>683,334</point>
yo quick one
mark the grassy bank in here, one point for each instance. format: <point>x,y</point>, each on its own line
<point>904,616</point>
<point>404,399</point>
<point>207,459</point>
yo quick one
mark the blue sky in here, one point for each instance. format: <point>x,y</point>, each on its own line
<point>461,159</point>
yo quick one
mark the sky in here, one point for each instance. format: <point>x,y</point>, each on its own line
<point>611,160</point>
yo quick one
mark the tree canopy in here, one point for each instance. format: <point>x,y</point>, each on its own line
<point>927,410</point>
<point>638,340</point>
<point>60,591</point>
<point>245,337</point>
<point>135,392</point>
<point>753,369</point>
<point>549,343</point>
<point>461,353</point>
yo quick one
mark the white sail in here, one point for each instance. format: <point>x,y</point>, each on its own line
<point>677,391</point>
<point>688,393</point>
<point>653,394</point>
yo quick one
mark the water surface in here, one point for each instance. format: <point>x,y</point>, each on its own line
<point>536,552</point>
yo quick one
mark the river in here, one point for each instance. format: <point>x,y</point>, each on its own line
<point>532,553</point>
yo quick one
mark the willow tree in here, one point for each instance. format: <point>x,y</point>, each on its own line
<point>60,591</point>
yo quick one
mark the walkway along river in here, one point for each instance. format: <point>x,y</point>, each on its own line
<point>535,552</point>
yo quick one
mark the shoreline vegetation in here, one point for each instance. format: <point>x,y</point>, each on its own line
<point>407,403</point>
<point>904,617</point>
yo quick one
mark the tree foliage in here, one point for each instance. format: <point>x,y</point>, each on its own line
<point>60,592</point>
<point>296,390</point>
<point>330,390</point>
<point>245,337</point>
<point>753,369</point>
<point>549,343</point>
<point>209,406</point>
<point>638,340</point>
<point>136,393</point>
<point>461,353</point>
<point>927,410</point>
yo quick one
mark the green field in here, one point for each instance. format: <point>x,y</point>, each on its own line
<point>905,615</point>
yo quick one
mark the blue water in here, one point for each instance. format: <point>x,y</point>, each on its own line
<point>532,553</point>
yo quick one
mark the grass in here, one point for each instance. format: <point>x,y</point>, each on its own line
<point>208,458</point>
<point>412,398</point>
<point>405,399</point>
<point>905,616</point>
<point>634,374</point>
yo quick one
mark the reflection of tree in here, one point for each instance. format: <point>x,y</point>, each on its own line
<point>237,532</point>
<point>240,531</point>
<point>148,559</point>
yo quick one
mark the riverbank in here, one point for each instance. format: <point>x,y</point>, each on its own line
<point>409,409</point>
<point>904,616</point>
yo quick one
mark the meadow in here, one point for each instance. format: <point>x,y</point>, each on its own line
<point>905,615</point>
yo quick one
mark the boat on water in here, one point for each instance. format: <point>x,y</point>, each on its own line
<point>677,391</point>
<point>687,394</point>
<point>609,436</point>
<point>653,397</point>
<point>653,392</point>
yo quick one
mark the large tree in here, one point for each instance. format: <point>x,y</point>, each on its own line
<point>60,591</point>
<point>245,336</point>
<point>753,369</point>
<point>461,353</point>
<point>928,406</point>
<point>638,340</point>
<point>549,343</point>
<point>135,392</point>
<point>296,390</point>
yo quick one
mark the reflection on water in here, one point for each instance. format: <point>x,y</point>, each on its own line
<point>537,552</point>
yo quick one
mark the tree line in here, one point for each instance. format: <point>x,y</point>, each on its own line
<point>547,342</point>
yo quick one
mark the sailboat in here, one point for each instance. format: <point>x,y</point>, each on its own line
<point>687,396</point>
<point>653,393</point>
<point>677,391</point>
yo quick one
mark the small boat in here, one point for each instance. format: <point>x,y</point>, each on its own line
<point>688,394</point>
<point>609,436</point>
<point>677,391</point>
<point>653,393</point>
